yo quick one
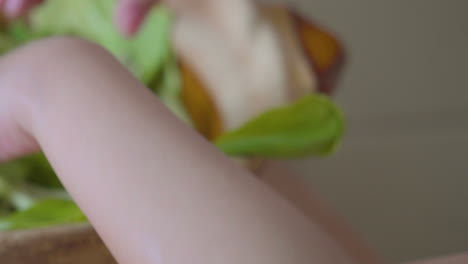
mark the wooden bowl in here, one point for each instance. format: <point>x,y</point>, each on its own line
<point>71,244</point>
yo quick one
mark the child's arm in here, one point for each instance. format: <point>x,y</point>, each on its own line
<point>155,191</point>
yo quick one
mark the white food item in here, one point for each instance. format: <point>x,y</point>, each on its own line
<point>248,63</point>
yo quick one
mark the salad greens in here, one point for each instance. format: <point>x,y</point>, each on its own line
<point>311,126</point>
<point>26,181</point>
<point>32,196</point>
<point>44,213</point>
<point>144,54</point>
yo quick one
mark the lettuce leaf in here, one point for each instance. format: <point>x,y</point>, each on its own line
<point>34,168</point>
<point>148,55</point>
<point>311,126</point>
<point>40,172</point>
<point>144,54</point>
<point>168,87</point>
<point>44,214</point>
<point>13,35</point>
<point>27,181</point>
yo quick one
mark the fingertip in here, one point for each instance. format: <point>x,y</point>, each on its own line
<point>17,8</point>
<point>130,15</point>
<point>121,19</point>
<point>12,8</point>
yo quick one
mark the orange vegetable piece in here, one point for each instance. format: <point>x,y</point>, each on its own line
<point>199,104</point>
<point>324,52</point>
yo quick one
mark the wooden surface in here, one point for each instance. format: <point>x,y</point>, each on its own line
<point>63,245</point>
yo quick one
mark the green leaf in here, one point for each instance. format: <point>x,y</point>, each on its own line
<point>40,172</point>
<point>20,32</point>
<point>151,48</point>
<point>168,87</point>
<point>16,170</point>
<point>311,126</point>
<point>143,54</point>
<point>25,181</point>
<point>15,34</point>
<point>4,208</point>
<point>44,214</point>
<point>6,43</point>
<point>34,168</point>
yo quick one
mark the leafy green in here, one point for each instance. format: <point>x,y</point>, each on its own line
<point>43,214</point>
<point>26,181</point>
<point>34,168</point>
<point>148,54</point>
<point>14,170</point>
<point>12,178</point>
<point>21,33</point>
<point>41,173</point>
<point>16,33</point>
<point>311,126</point>
<point>5,209</point>
<point>168,87</point>
<point>144,54</point>
<point>6,43</point>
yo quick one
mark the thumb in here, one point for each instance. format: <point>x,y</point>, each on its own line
<point>130,14</point>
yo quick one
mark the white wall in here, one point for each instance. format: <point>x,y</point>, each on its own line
<point>401,177</point>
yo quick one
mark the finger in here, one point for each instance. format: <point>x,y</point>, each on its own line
<point>12,7</point>
<point>131,14</point>
<point>16,8</point>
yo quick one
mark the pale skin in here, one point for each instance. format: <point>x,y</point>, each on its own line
<point>176,219</point>
<point>154,190</point>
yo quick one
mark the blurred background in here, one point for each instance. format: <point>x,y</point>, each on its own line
<point>401,178</point>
